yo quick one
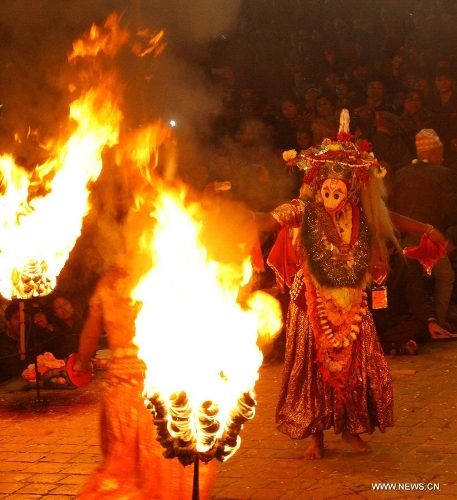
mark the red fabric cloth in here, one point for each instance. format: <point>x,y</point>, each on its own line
<point>256,250</point>
<point>427,253</point>
<point>283,259</point>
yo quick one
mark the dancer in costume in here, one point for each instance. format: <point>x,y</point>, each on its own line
<point>335,373</point>
<point>132,466</point>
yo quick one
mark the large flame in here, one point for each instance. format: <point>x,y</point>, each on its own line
<point>192,332</point>
<point>37,235</point>
<point>41,212</point>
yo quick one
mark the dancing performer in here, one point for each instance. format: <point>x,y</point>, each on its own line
<point>132,467</point>
<point>335,373</point>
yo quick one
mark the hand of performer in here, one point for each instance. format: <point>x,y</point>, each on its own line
<point>435,330</point>
<point>438,237</point>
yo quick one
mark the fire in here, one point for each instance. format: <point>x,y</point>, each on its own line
<point>41,212</point>
<point>198,342</point>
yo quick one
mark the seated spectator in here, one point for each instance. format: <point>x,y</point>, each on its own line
<point>325,124</point>
<point>388,142</point>
<point>309,101</point>
<point>425,87</point>
<point>445,115</point>
<point>344,92</point>
<point>50,337</point>
<point>304,138</point>
<point>409,318</point>
<point>362,118</point>
<point>422,191</point>
<point>377,96</point>
<point>11,364</point>
<point>415,116</point>
<point>65,317</point>
<point>361,75</point>
<point>288,123</point>
<point>398,100</point>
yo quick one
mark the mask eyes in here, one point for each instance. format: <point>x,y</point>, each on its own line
<point>335,196</point>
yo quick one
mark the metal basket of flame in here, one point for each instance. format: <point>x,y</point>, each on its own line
<point>177,430</point>
<point>32,281</point>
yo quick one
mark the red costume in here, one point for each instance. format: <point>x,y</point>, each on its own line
<point>133,466</point>
<point>335,372</point>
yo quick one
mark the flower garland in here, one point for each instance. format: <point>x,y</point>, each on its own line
<point>336,328</point>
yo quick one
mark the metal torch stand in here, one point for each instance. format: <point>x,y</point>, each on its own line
<point>38,400</point>
<point>195,484</point>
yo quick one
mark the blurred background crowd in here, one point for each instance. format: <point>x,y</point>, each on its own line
<point>274,79</point>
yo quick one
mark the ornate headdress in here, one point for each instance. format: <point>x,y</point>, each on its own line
<point>343,158</point>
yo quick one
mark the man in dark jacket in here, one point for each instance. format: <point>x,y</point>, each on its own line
<point>423,191</point>
<point>409,318</point>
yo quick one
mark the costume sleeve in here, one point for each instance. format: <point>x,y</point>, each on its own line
<point>290,214</point>
<point>283,258</point>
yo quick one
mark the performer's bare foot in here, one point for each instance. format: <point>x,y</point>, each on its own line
<point>356,442</point>
<point>316,448</point>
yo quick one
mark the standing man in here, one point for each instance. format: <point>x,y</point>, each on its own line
<point>422,191</point>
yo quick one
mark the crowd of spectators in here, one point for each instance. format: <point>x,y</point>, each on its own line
<point>49,325</point>
<point>284,74</point>
<point>291,66</point>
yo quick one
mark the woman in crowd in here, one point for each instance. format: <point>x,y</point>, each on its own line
<point>66,318</point>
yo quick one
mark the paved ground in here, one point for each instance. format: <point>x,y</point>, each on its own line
<point>48,450</point>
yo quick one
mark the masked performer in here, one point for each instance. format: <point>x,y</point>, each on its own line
<point>335,373</point>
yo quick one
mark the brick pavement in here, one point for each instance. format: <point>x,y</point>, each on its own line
<point>48,450</point>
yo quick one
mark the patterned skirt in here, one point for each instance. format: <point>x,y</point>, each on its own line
<point>133,467</point>
<point>307,404</point>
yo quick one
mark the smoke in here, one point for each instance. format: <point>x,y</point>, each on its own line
<point>37,35</point>
<point>36,81</point>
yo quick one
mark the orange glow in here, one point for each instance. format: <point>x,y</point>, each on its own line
<point>192,332</point>
<point>108,39</point>
<point>41,212</point>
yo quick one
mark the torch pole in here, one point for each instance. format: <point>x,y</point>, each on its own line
<point>195,486</point>
<point>37,381</point>
<point>21,330</point>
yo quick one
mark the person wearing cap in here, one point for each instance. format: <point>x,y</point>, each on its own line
<point>422,191</point>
